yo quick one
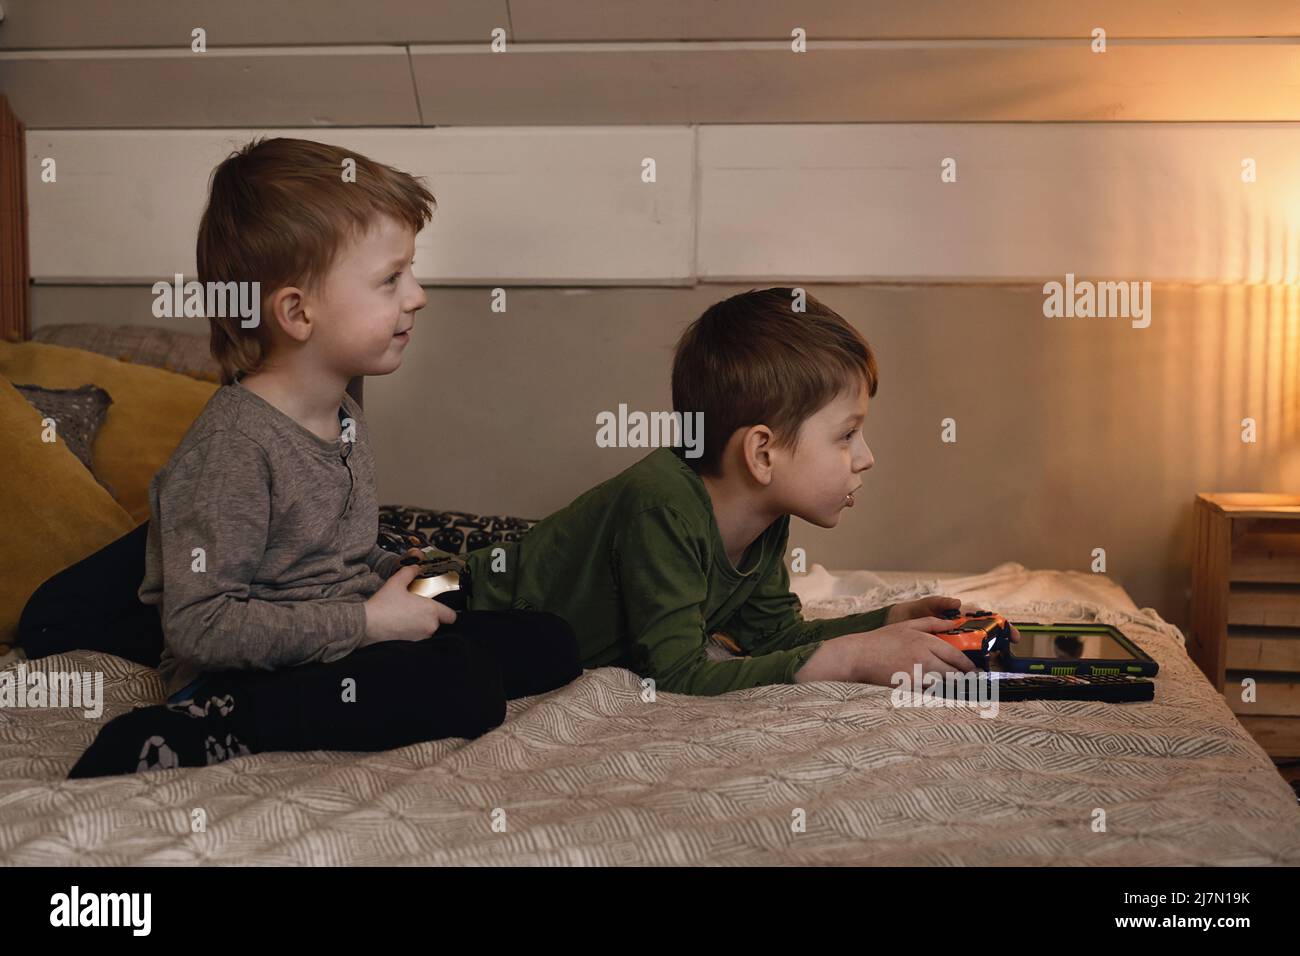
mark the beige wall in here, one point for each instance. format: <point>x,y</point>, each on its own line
<point>1073,434</point>
<point>819,167</point>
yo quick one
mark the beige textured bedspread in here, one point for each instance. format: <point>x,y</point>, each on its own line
<point>591,774</point>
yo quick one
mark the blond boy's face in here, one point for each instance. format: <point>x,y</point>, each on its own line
<point>364,308</point>
<point>817,480</point>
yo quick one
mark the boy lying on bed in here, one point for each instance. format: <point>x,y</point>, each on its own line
<point>649,564</point>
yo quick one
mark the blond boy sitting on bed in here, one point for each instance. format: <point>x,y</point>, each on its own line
<point>646,566</point>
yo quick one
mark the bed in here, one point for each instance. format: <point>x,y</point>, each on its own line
<point>826,773</point>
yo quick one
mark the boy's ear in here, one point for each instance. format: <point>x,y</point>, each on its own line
<point>289,314</point>
<point>756,446</point>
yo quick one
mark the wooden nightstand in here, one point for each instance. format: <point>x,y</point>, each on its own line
<point>1246,610</point>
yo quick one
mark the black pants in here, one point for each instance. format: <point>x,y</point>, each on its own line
<point>453,684</point>
<point>93,606</point>
<point>382,696</point>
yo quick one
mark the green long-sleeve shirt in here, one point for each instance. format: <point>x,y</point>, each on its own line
<point>637,567</point>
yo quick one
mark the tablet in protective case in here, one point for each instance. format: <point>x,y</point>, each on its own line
<point>1078,649</point>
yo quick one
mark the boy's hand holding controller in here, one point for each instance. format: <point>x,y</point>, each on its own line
<point>908,639</point>
<point>395,614</point>
<point>945,607</point>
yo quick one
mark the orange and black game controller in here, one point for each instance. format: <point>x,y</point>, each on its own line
<point>977,634</point>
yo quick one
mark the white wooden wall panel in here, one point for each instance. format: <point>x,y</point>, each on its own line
<point>52,24</point>
<point>1146,201</point>
<point>844,81</point>
<point>175,88</point>
<point>671,83</point>
<point>895,19</point>
<point>521,206</point>
<point>804,203</point>
<point>70,24</point>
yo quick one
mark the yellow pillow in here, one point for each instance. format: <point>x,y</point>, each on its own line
<point>55,512</point>
<point>151,411</point>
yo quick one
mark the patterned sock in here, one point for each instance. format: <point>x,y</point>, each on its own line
<point>185,734</point>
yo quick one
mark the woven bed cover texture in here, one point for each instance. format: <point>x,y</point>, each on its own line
<point>594,774</point>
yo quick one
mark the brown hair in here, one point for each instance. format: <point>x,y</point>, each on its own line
<point>752,360</point>
<point>278,213</point>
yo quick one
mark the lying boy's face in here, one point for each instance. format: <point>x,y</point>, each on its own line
<point>365,306</point>
<point>818,479</point>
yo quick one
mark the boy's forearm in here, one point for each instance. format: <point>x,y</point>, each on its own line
<point>835,659</point>
<point>854,623</point>
<point>803,632</point>
<point>710,678</point>
<point>839,657</point>
<point>233,634</point>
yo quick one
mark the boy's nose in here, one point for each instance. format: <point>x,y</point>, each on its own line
<point>866,461</point>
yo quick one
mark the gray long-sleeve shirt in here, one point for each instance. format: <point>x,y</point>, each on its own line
<point>287,524</point>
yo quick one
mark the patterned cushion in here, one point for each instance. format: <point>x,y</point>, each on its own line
<point>77,412</point>
<point>456,532</point>
<point>185,352</point>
